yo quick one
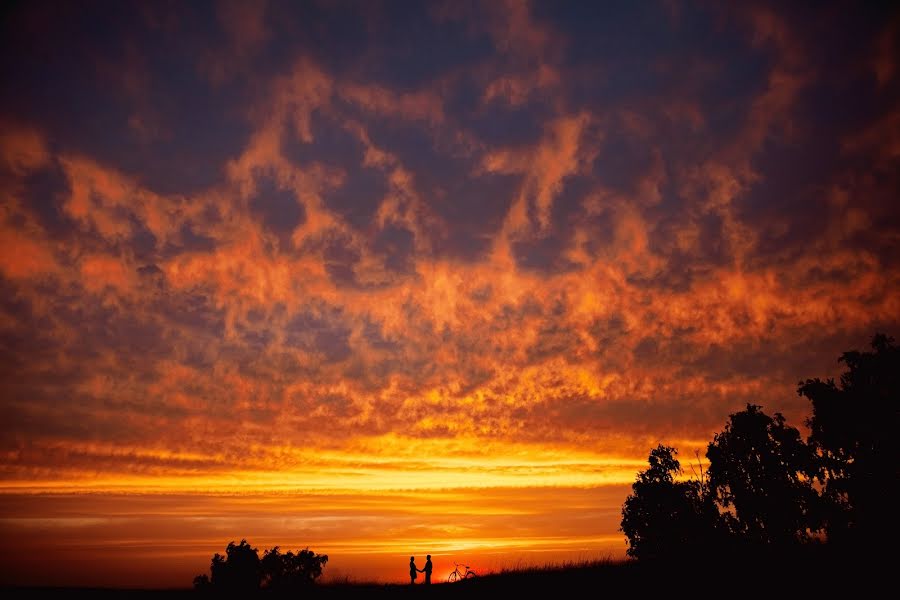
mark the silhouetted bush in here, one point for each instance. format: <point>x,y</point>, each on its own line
<point>289,570</point>
<point>238,570</point>
<point>242,571</point>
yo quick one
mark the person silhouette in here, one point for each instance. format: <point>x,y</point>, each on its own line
<point>413,571</point>
<point>427,570</point>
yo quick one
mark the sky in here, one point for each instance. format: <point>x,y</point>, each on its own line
<point>393,278</point>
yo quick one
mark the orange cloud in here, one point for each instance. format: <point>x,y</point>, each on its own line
<point>24,256</point>
<point>22,149</point>
<point>560,154</point>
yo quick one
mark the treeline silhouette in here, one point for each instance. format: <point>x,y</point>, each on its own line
<point>768,492</point>
<point>241,570</point>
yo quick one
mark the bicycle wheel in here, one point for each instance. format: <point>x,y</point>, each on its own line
<point>470,574</point>
<point>453,577</point>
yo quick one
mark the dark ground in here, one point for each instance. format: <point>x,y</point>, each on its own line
<point>811,576</point>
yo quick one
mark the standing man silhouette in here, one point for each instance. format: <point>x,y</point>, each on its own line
<point>413,571</point>
<point>427,570</point>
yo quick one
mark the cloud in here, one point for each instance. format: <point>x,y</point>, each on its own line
<point>545,168</point>
<point>24,256</point>
<point>22,149</point>
<point>884,63</point>
<point>366,311</point>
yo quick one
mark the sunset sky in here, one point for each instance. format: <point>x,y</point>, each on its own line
<point>393,278</point>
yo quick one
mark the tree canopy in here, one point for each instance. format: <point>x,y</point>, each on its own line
<point>853,428</point>
<point>289,570</point>
<point>242,570</point>
<point>662,515</point>
<point>766,485</point>
<point>761,473</point>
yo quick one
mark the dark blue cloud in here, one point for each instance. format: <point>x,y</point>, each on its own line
<point>323,333</point>
<point>279,210</point>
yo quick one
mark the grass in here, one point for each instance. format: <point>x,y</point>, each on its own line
<point>711,577</point>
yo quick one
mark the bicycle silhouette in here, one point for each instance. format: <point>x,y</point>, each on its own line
<point>456,575</point>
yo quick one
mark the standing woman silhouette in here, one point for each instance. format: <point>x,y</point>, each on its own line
<point>413,571</point>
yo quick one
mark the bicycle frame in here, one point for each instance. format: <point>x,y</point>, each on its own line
<point>456,575</point>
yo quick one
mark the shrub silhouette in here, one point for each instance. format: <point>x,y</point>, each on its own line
<point>663,517</point>
<point>853,426</point>
<point>291,571</point>
<point>238,570</point>
<point>242,571</point>
<point>761,473</point>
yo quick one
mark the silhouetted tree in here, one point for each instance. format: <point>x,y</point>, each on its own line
<point>202,583</point>
<point>291,571</point>
<point>239,570</point>
<point>854,427</point>
<point>761,473</point>
<point>664,518</point>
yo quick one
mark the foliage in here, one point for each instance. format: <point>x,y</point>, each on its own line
<point>238,570</point>
<point>763,481</point>
<point>762,472</point>
<point>289,570</point>
<point>663,517</point>
<point>241,570</point>
<point>852,428</point>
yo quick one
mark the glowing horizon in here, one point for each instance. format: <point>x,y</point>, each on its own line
<point>398,279</point>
